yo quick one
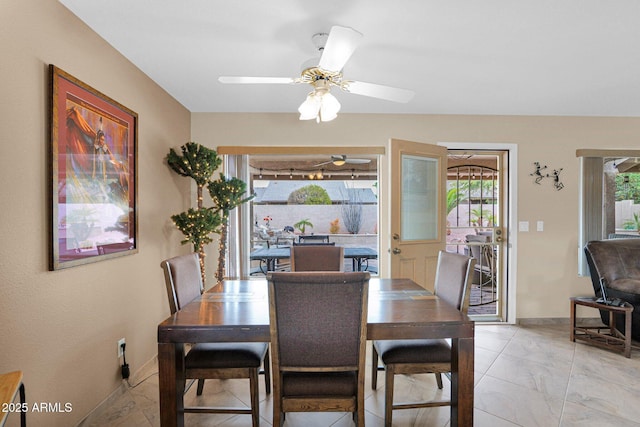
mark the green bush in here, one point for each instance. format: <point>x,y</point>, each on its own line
<point>309,195</point>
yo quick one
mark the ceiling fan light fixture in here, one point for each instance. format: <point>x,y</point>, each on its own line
<point>329,107</point>
<point>339,162</point>
<point>310,108</point>
<point>319,105</point>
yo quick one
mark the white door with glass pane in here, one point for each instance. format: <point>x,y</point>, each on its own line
<point>418,211</point>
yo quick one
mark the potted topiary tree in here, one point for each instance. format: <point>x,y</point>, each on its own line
<point>226,195</point>
<point>199,162</point>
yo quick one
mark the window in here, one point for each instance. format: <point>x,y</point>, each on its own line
<point>302,191</point>
<point>609,197</point>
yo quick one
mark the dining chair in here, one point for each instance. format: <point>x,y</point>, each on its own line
<point>314,243</point>
<point>420,356</point>
<point>317,258</point>
<point>214,360</point>
<point>11,385</point>
<point>318,328</point>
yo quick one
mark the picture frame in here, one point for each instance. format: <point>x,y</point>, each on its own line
<point>93,170</point>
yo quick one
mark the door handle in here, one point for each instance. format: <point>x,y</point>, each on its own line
<point>396,251</point>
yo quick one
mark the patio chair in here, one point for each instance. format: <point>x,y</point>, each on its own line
<point>318,342</point>
<point>482,251</point>
<point>317,258</point>
<point>214,360</point>
<point>453,285</point>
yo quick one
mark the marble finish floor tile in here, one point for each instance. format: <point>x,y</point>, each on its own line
<point>529,375</point>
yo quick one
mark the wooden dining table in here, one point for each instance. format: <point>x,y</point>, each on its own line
<point>238,311</point>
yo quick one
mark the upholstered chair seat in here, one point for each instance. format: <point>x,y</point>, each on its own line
<point>414,351</point>
<point>223,355</point>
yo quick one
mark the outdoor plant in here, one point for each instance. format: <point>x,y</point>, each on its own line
<point>352,212</point>
<point>482,218</point>
<point>334,226</point>
<point>303,224</point>
<point>309,195</point>
<point>197,225</point>
<point>633,224</point>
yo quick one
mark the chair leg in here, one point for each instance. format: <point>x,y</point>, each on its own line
<point>360,411</point>
<point>374,367</point>
<point>439,379</point>
<point>23,414</point>
<point>255,397</point>
<point>278,415</point>
<point>200,386</point>
<point>267,372</point>
<point>388,395</point>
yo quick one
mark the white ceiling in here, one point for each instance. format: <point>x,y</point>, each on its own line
<point>523,57</point>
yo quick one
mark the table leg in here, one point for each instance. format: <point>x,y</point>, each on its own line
<point>627,334</point>
<point>171,379</point>
<point>572,317</point>
<point>462,359</point>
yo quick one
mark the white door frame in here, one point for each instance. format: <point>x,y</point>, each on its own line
<point>512,237</point>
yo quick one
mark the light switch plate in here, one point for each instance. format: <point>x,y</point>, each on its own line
<point>540,226</point>
<point>523,226</point>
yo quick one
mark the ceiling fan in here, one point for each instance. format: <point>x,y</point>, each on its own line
<point>336,48</point>
<point>341,159</point>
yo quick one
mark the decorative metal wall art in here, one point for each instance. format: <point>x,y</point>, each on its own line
<point>539,176</point>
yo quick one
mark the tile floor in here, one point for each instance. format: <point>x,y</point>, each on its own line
<point>524,375</point>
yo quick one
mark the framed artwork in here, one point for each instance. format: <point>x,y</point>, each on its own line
<point>93,165</point>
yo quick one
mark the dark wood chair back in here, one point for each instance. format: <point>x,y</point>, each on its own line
<point>318,341</point>
<point>453,279</point>
<point>183,279</point>
<point>317,258</point>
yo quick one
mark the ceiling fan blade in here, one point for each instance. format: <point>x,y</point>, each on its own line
<point>358,161</point>
<point>340,45</point>
<point>378,91</point>
<point>255,80</point>
<point>322,164</point>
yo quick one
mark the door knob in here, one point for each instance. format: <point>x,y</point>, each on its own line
<point>396,251</point>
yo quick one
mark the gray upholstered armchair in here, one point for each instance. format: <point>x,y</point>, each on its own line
<point>617,262</point>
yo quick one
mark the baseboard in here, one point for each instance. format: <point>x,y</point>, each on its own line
<point>560,321</point>
<point>147,369</point>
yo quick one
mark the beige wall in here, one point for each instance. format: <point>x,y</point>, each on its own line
<point>547,261</point>
<point>61,328</point>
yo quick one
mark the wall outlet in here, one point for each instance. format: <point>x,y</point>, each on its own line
<point>120,342</point>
